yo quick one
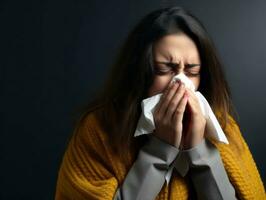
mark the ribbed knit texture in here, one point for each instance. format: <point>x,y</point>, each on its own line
<point>91,170</point>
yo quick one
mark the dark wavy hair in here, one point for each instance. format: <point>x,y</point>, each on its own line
<point>118,103</point>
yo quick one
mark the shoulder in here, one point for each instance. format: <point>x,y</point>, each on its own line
<point>95,144</point>
<point>90,142</point>
<point>89,130</point>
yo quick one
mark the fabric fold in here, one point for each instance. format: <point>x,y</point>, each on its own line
<point>146,123</point>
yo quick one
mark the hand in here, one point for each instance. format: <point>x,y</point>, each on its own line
<point>194,123</point>
<point>168,114</point>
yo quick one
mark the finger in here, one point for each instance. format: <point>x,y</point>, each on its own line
<point>193,100</point>
<point>191,94</point>
<point>194,105</point>
<point>170,85</point>
<point>179,112</point>
<point>175,101</point>
<point>165,101</point>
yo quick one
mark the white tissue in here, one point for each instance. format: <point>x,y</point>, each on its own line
<point>146,122</point>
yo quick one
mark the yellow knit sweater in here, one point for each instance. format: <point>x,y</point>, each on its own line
<point>91,170</point>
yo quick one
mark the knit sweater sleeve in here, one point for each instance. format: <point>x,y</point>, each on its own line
<point>86,172</point>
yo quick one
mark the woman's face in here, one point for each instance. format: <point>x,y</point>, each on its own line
<point>179,49</point>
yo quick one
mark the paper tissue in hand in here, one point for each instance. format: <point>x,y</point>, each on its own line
<point>146,122</point>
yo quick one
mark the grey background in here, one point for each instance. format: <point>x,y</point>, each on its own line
<point>55,55</point>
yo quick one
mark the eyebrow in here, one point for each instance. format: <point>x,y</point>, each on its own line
<point>173,65</point>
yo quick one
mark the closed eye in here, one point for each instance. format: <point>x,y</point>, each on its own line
<point>170,70</point>
<point>192,74</point>
<point>169,67</point>
<point>162,71</point>
<point>175,65</point>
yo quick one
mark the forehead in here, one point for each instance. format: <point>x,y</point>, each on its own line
<point>176,46</point>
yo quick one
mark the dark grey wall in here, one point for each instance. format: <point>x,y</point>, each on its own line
<point>54,55</point>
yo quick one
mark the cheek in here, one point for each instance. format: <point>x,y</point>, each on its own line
<point>159,85</point>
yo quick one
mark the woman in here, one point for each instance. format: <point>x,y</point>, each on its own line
<point>105,161</point>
